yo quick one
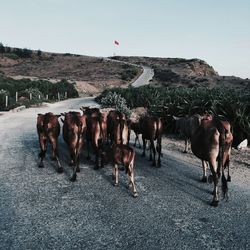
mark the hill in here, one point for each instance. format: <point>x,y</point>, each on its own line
<point>91,74</point>
<point>185,72</point>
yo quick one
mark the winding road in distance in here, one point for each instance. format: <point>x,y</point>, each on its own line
<point>41,209</point>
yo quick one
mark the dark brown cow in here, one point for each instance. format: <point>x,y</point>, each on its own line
<point>152,130</point>
<point>186,126</point>
<point>48,129</point>
<point>117,127</point>
<point>96,132</point>
<point>211,142</point>
<point>119,154</point>
<point>74,129</point>
<point>136,127</point>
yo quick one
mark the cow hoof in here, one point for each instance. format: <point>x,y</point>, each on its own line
<point>204,179</point>
<point>214,203</point>
<point>229,178</point>
<point>135,194</point>
<point>59,170</point>
<point>73,178</point>
<point>210,178</point>
<point>121,168</point>
<point>115,184</point>
<point>41,165</point>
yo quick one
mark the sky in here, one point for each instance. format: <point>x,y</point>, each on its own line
<point>217,31</point>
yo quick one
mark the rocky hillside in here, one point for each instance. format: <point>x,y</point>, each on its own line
<point>91,74</point>
<point>185,72</point>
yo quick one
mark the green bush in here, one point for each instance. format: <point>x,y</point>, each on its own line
<point>114,100</point>
<point>129,73</point>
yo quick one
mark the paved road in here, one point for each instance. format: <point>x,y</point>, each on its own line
<point>144,78</point>
<point>41,209</point>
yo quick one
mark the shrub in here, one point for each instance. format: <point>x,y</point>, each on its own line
<point>129,73</point>
<point>114,100</point>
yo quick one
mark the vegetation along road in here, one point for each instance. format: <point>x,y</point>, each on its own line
<point>41,209</point>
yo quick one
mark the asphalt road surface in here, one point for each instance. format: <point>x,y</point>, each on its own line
<point>41,209</point>
<point>144,78</point>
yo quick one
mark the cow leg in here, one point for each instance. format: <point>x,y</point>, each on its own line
<point>55,154</point>
<point>75,166</point>
<point>88,149</point>
<point>186,145</point>
<point>204,167</point>
<point>152,145</point>
<point>116,172</point>
<point>144,147</point>
<point>213,168</point>
<point>43,149</point>
<point>96,159</point>
<point>131,179</point>
<point>138,141</point>
<point>150,151</point>
<point>158,148</point>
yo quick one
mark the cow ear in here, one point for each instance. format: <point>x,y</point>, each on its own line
<point>176,118</point>
<point>39,114</point>
<point>63,114</point>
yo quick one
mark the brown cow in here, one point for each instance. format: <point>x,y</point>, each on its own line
<point>117,127</point>
<point>48,129</point>
<point>212,142</point>
<point>119,154</point>
<point>152,130</point>
<point>136,127</point>
<point>96,132</point>
<point>74,129</point>
<point>186,126</point>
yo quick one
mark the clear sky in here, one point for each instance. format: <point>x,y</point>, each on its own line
<point>217,31</point>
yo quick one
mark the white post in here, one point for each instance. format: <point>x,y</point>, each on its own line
<point>47,97</point>
<point>39,97</point>
<point>30,96</point>
<point>6,101</point>
<point>58,96</point>
<point>66,94</point>
<point>16,96</point>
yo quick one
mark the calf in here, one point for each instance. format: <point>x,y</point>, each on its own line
<point>74,129</point>
<point>186,126</point>
<point>123,155</point>
<point>211,142</point>
<point>48,129</point>
<point>152,130</point>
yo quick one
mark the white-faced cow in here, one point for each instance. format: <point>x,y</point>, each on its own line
<point>48,130</point>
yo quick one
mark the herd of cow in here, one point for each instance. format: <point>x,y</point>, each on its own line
<point>108,133</point>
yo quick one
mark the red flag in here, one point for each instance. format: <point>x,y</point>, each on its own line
<point>116,42</point>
